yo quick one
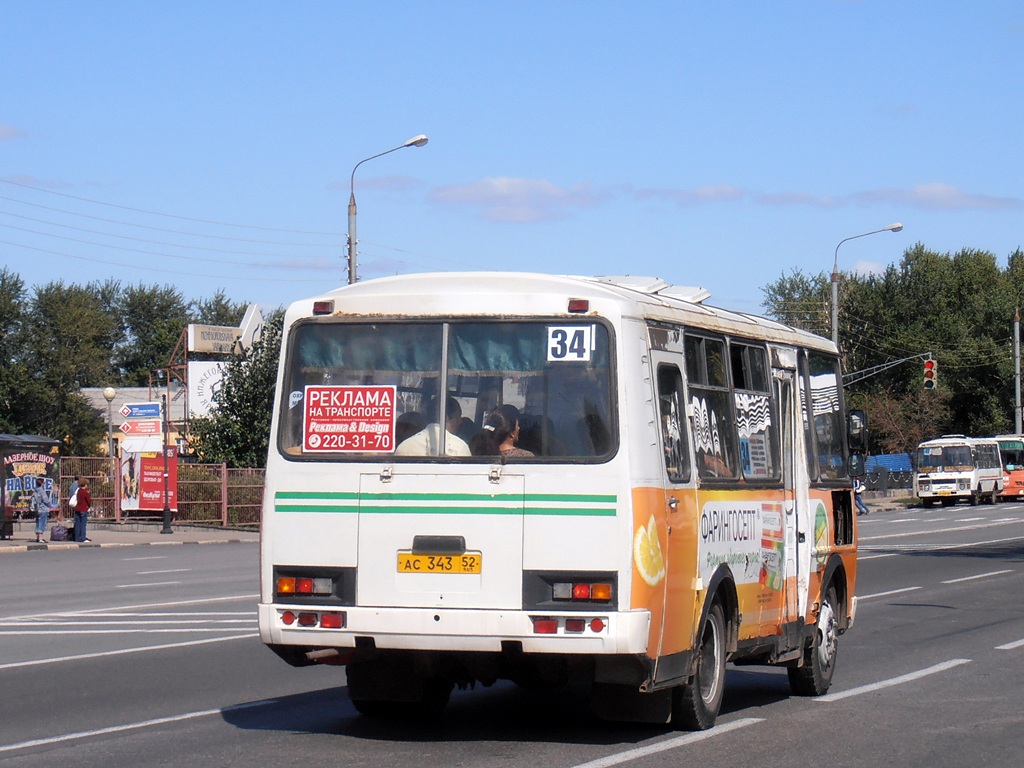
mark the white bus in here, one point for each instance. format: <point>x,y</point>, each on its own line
<point>954,467</point>
<point>678,496</point>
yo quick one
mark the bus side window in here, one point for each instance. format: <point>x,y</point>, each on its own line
<point>673,423</point>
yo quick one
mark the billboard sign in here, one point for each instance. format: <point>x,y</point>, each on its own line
<point>348,419</point>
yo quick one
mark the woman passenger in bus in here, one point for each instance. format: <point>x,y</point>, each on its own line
<point>499,434</point>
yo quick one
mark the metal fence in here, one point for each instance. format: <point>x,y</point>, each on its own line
<point>208,494</point>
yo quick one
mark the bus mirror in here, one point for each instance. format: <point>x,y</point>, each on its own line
<point>857,431</point>
<point>856,465</point>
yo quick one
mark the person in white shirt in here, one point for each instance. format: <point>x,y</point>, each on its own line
<point>427,441</point>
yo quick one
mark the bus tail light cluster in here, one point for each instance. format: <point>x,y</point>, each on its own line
<point>568,625</point>
<point>324,620</point>
<point>582,590</point>
<point>304,585</point>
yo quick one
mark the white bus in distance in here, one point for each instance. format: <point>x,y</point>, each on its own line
<point>954,468</point>
<point>485,476</point>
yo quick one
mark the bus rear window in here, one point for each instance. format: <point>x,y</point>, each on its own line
<point>366,391</point>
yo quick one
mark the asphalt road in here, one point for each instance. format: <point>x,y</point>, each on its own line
<point>149,657</point>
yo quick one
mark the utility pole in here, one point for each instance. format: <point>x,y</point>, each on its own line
<point>1016,372</point>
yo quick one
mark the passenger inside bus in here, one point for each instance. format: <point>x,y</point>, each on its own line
<point>500,434</point>
<point>427,441</point>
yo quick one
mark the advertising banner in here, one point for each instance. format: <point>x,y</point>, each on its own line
<point>349,419</point>
<point>142,480</point>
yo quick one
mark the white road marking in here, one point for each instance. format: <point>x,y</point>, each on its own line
<point>664,746</point>
<point>1010,646</point>
<point>151,584</point>
<point>132,726</point>
<point>977,576</point>
<point>169,570</point>
<point>932,531</point>
<point>137,606</point>
<point>887,594</point>
<point>150,557</point>
<point>830,697</point>
<point>120,631</point>
<point>929,548</point>
<point>101,654</point>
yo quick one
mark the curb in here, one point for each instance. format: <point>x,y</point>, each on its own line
<point>45,546</point>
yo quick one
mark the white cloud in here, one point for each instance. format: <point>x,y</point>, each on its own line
<point>505,198</point>
<point>10,133</point>
<point>938,196</point>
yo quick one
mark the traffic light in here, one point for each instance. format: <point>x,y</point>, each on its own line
<point>931,369</point>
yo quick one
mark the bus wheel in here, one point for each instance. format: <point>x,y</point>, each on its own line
<point>696,704</point>
<point>815,676</point>
<point>926,503</point>
<point>975,497</point>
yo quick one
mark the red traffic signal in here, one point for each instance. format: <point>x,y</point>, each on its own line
<point>931,368</point>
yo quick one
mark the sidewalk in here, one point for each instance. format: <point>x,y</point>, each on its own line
<point>125,535</point>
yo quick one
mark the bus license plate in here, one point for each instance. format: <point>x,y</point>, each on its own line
<point>945,493</point>
<point>468,562</point>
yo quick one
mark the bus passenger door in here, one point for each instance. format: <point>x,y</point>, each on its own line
<point>675,504</point>
<point>796,538</point>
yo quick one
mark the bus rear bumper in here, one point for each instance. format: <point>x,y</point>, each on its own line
<point>429,629</point>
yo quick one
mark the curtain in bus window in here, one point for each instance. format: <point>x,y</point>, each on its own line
<point>823,378</point>
<point>555,374</point>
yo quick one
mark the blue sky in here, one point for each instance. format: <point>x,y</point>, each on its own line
<point>209,145</point>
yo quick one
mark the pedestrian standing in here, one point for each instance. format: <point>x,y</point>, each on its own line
<point>82,509</point>
<point>858,493</point>
<point>40,504</point>
<point>75,484</point>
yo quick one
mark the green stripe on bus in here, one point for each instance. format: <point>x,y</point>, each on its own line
<point>580,505</point>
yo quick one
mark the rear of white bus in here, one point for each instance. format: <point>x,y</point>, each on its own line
<point>390,547</point>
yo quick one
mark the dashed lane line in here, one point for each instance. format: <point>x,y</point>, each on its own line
<point>892,681</point>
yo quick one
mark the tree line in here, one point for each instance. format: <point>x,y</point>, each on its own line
<point>959,307</point>
<point>60,337</point>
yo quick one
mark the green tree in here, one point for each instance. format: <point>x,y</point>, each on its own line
<point>68,338</point>
<point>958,307</point>
<point>218,310</point>
<point>237,431</point>
<point>152,319</point>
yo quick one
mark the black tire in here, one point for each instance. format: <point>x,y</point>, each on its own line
<point>975,497</point>
<point>696,704</point>
<point>927,503</point>
<point>815,676</point>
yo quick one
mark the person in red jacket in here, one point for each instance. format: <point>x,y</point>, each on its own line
<point>82,509</point>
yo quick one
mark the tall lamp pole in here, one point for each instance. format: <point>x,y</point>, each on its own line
<point>164,440</point>
<point>835,276</point>
<point>415,141</point>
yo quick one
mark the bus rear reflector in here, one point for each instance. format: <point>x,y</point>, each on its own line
<point>307,619</point>
<point>545,626</point>
<point>332,620</point>
<point>579,305</point>
<point>324,307</point>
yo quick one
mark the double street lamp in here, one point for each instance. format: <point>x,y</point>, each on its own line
<point>415,141</point>
<point>835,275</point>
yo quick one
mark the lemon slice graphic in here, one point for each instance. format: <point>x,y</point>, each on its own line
<point>647,553</point>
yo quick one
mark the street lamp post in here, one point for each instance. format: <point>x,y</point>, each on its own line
<point>415,141</point>
<point>164,440</point>
<point>109,393</point>
<point>835,275</point>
